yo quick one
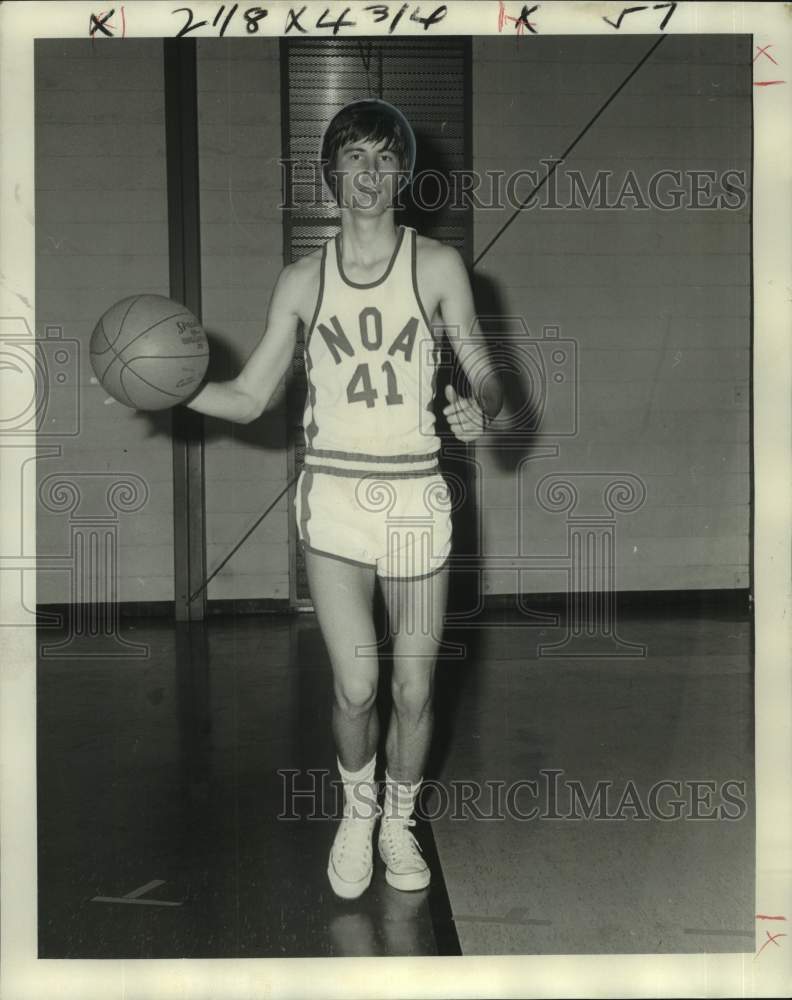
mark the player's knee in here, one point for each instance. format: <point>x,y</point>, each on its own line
<point>412,697</point>
<point>355,697</point>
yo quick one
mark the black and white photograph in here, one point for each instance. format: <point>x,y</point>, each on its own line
<point>395,442</point>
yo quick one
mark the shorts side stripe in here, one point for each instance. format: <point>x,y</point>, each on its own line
<point>418,576</point>
<point>305,507</point>
<point>334,555</point>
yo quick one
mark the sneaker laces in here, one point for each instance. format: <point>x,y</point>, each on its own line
<point>400,841</point>
<point>354,834</point>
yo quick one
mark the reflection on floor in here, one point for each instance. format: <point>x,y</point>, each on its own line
<point>163,796</point>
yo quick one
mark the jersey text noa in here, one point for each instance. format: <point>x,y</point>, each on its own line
<point>371,364</point>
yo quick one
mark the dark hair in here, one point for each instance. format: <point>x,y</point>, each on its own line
<point>367,121</point>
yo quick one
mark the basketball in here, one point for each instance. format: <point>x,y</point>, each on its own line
<point>149,352</point>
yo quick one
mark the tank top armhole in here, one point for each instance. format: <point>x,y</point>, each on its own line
<point>414,270</point>
<point>319,296</point>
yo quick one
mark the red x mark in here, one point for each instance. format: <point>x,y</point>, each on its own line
<point>101,23</point>
<point>521,22</point>
<point>103,18</point>
<point>762,51</point>
<point>770,937</point>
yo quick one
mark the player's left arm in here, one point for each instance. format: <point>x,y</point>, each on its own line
<point>468,416</point>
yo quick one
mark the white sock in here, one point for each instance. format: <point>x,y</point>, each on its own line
<point>400,797</point>
<point>360,790</point>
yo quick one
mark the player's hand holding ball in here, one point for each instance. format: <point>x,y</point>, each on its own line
<point>465,417</point>
<point>149,352</point>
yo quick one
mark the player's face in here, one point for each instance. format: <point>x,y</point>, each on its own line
<point>368,176</point>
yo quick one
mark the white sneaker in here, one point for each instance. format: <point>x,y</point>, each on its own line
<point>351,860</point>
<point>398,848</point>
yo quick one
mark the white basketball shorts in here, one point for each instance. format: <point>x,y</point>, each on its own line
<point>401,526</point>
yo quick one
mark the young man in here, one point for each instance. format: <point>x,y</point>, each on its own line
<point>367,301</point>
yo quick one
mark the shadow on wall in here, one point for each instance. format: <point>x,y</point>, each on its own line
<point>431,208</point>
<point>515,438</point>
<point>225,363</point>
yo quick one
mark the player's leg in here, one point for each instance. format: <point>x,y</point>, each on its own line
<point>416,611</point>
<point>342,595</point>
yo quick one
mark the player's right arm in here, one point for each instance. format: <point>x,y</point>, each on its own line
<point>245,397</point>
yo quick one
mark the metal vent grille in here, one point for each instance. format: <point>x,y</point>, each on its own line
<point>427,79</point>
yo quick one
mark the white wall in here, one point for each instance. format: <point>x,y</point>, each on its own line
<point>242,254</point>
<point>657,302</point>
<point>102,235</point>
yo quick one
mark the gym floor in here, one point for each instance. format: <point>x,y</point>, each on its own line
<point>161,780</point>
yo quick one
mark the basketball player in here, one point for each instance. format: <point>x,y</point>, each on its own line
<point>367,301</point>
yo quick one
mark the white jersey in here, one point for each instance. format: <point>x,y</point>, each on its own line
<point>371,363</point>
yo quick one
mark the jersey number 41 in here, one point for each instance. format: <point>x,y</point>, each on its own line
<point>360,389</point>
